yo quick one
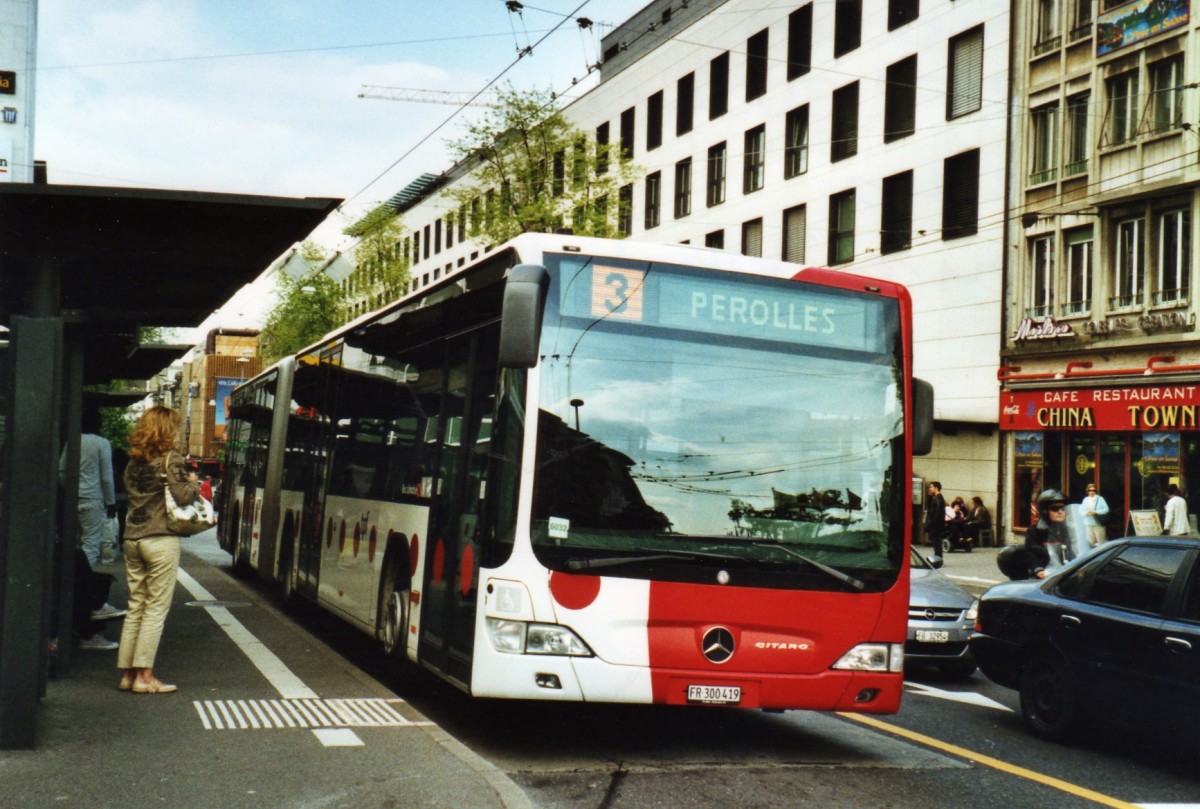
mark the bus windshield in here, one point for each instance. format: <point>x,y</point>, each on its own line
<point>697,425</point>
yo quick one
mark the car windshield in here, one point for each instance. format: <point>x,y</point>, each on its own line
<point>693,421</point>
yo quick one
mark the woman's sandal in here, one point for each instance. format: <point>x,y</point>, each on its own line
<point>126,684</point>
<point>155,686</point>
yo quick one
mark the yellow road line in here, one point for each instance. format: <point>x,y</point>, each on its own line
<point>995,763</point>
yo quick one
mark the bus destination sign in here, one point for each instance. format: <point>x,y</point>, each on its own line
<point>771,309</point>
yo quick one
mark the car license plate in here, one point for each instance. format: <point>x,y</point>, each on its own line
<point>719,694</point>
<point>933,636</point>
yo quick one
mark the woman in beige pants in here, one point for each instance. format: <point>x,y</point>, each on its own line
<point>151,550</point>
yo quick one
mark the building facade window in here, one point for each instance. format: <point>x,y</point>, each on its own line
<point>960,195</point>
<point>752,232</point>
<point>756,65</point>
<point>1047,36</point>
<point>1122,109</point>
<point>1079,271</point>
<point>1128,265</point>
<point>799,51</point>
<point>715,189</point>
<point>1043,150</point>
<point>683,188</point>
<point>964,93</point>
<point>1081,20</point>
<point>685,103</point>
<point>627,126</point>
<point>754,159</point>
<point>653,216</point>
<point>718,86</point>
<point>841,227</point>
<point>795,226</point>
<point>1166,96</point>
<point>795,149</point>
<point>1077,141</point>
<point>895,222</point>
<point>847,26</point>
<point>1174,256</point>
<point>844,123</point>
<point>1041,277</point>
<point>902,12</point>
<point>900,100</point>
<point>715,239</point>
<point>557,183</point>
<point>602,138</point>
<point>654,121</point>
<point>625,210</point>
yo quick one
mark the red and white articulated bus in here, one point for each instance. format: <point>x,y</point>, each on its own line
<point>613,471</point>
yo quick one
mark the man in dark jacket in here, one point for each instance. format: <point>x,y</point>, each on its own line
<point>935,514</point>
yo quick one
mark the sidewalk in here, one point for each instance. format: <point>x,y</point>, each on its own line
<point>265,716</point>
<point>975,571</point>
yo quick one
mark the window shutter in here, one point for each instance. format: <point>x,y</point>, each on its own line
<point>966,79</point>
<point>795,222</point>
<point>752,238</point>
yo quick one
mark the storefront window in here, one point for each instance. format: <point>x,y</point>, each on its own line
<point>1038,466</point>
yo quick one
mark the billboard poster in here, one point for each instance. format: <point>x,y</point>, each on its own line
<point>1028,454</point>
<point>6,159</point>
<point>224,387</point>
<point>1160,454</point>
<point>1133,22</point>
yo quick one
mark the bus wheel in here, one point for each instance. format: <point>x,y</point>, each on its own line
<point>241,558</point>
<point>393,626</point>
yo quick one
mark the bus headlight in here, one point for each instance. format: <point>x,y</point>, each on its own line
<point>522,637</point>
<point>873,657</point>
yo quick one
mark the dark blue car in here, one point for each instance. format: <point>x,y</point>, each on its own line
<point>1113,635</point>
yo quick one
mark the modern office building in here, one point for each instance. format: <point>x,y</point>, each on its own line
<point>868,137</point>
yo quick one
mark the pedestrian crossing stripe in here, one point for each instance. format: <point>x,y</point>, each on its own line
<point>258,714</point>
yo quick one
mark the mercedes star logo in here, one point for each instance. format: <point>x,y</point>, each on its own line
<point>717,645</point>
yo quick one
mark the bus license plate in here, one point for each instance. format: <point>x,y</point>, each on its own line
<point>721,694</point>
<point>933,636</point>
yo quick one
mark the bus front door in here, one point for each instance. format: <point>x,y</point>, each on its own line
<point>452,569</point>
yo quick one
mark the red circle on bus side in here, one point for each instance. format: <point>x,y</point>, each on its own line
<point>439,561</point>
<point>371,545</point>
<point>329,533</point>
<point>357,538</point>
<point>342,537</point>
<point>572,591</point>
<point>414,550</point>
<point>466,570</point>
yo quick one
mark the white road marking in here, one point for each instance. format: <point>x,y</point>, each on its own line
<point>301,706</point>
<point>968,697</point>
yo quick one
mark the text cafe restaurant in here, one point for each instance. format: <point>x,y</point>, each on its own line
<point>1126,421</point>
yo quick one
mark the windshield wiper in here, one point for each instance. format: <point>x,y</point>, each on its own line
<point>613,561</point>
<point>857,584</point>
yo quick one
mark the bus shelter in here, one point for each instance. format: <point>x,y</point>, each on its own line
<point>81,270</point>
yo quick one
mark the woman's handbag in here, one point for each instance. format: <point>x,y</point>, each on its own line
<point>188,519</point>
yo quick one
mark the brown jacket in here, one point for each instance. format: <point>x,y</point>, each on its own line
<point>147,515</point>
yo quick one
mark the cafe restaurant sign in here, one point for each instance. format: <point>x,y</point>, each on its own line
<point>1137,409</point>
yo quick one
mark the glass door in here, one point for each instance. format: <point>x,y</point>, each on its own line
<point>1113,482</point>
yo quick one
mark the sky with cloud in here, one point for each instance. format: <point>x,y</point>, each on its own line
<point>261,97</point>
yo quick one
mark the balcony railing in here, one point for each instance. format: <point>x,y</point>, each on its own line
<point>1166,296</point>
<point>1042,176</point>
<point>1077,307</point>
<point>1125,301</point>
<point>1039,311</point>
<point>1079,32</point>
<point>1077,167</point>
<point>1047,45</point>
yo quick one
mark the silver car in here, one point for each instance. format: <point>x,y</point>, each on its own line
<point>941,617</point>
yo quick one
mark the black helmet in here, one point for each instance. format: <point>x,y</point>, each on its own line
<point>1018,562</point>
<point>1051,496</point>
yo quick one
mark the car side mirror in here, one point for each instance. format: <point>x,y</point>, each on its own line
<point>936,561</point>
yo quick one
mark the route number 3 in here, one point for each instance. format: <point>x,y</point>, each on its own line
<point>617,293</point>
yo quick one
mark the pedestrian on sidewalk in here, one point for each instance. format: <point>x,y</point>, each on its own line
<point>151,550</point>
<point>1095,512</point>
<point>1175,520</point>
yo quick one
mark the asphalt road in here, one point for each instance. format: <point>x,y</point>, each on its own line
<point>955,743</point>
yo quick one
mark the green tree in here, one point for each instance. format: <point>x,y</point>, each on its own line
<point>380,265</point>
<point>308,308</point>
<point>531,170</point>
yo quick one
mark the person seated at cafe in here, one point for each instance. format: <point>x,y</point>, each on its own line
<point>978,518</point>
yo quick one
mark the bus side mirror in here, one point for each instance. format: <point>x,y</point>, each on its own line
<point>922,417</point>
<point>521,322</point>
